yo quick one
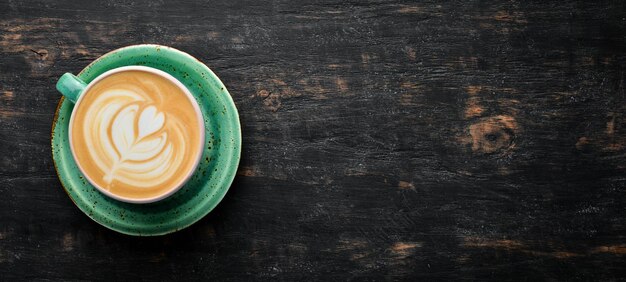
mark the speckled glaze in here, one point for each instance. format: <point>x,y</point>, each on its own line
<point>209,183</point>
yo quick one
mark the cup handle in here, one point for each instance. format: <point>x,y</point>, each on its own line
<point>71,86</point>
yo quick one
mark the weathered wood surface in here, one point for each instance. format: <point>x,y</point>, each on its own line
<point>383,140</point>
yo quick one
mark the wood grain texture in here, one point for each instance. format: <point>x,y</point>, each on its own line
<point>382,140</point>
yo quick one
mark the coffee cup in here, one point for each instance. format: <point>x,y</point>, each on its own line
<point>136,133</point>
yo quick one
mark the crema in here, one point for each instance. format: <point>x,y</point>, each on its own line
<point>136,134</point>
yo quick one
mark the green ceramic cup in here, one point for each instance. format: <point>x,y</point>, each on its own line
<point>210,181</point>
<point>73,88</point>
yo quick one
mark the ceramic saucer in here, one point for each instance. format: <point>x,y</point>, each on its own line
<point>209,183</point>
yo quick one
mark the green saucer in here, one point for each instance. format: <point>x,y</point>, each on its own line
<point>209,183</point>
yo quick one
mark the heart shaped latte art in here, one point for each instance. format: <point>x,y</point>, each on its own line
<point>142,151</point>
<point>135,143</point>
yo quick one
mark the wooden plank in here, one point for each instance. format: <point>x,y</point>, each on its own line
<point>383,140</point>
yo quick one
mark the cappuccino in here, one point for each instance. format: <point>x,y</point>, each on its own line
<point>136,134</point>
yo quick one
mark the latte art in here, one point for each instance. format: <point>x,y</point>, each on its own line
<point>139,157</point>
<point>135,134</point>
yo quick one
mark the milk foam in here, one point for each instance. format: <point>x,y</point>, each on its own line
<point>135,134</point>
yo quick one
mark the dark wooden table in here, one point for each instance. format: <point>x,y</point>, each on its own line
<point>382,140</point>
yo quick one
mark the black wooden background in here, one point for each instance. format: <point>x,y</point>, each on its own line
<point>382,140</point>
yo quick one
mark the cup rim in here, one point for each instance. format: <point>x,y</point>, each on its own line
<point>201,130</point>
